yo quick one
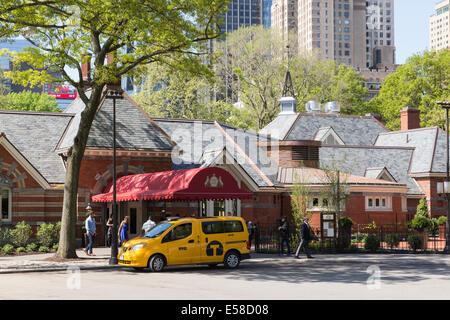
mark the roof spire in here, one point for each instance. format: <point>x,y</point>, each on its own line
<point>288,89</point>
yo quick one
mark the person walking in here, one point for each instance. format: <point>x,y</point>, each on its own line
<point>148,225</point>
<point>305,236</point>
<point>123,231</point>
<point>251,232</point>
<point>90,231</point>
<point>284,236</point>
<point>109,225</point>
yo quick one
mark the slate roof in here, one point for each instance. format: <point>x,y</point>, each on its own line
<point>134,129</point>
<point>353,130</point>
<point>355,160</point>
<point>202,141</point>
<point>280,126</point>
<point>429,144</point>
<point>288,175</point>
<point>36,135</point>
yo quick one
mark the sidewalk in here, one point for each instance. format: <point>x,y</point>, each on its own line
<point>47,262</point>
<point>44,262</point>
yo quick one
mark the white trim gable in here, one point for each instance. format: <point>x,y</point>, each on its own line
<point>34,173</point>
<point>225,160</point>
<point>379,173</point>
<point>324,135</point>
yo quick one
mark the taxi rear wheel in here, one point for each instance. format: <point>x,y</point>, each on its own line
<point>232,260</point>
<point>156,263</point>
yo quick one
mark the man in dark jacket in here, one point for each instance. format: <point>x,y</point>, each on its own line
<point>284,236</point>
<point>305,236</point>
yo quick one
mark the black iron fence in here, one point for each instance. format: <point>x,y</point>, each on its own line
<point>384,238</point>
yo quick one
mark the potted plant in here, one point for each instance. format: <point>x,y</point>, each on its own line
<point>346,225</point>
<point>392,240</point>
<point>442,221</point>
<point>420,225</point>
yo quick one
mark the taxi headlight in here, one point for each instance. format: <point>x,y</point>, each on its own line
<point>138,246</point>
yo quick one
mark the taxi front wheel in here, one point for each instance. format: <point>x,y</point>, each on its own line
<point>156,263</point>
<point>232,260</point>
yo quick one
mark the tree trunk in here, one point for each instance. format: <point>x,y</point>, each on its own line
<point>67,238</point>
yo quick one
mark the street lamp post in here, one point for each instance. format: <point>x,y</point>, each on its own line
<point>114,95</point>
<point>445,185</point>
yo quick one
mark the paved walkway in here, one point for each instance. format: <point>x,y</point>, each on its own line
<point>46,262</point>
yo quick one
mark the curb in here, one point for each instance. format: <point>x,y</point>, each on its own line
<point>59,268</point>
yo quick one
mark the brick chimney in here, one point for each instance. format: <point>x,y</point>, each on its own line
<point>86,67</point>
<point>410,118</point>
<point>113,85</point>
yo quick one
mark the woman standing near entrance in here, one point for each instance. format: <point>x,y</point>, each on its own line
<point>123,231</point>
<point>109,224</point>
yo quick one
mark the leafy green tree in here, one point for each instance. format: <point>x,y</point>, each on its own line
<point>423,80</point>
<point>251,68</point>
<point>64,32</point>
<point>29,101</point>
<point>325,81</point>
<point>170,93</point>
<point>300,197</point>
<point>422,208</point>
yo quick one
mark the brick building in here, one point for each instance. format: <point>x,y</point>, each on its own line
<point>386,172</point>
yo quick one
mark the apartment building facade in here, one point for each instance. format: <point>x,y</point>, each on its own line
<point>355,32</point>
<point>439,26</point>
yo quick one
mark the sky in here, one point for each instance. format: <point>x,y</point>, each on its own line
<point>411,27</point>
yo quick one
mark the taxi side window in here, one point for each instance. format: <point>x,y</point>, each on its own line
<point>179,232</point>
<point>211,227</point>
<point>233,226</point>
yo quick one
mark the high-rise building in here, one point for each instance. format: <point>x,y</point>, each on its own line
<point>439,26</point>
<point>380,48</point>
<point>284,18</point>
<point>242,13</point>
<point>266,13</point>
<point>359,33</point>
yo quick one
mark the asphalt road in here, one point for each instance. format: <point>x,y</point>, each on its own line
<point>284,278</point>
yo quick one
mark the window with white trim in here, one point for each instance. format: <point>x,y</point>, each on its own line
<point>379,203</point>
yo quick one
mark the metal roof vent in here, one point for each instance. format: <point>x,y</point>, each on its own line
<point>312,106</point>
<point>332,107</point>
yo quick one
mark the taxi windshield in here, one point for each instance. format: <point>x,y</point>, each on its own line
<point>158,230</point>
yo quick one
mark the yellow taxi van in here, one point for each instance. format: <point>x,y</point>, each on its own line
<point>182,241</point>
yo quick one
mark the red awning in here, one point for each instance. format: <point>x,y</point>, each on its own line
<point>210,183</point>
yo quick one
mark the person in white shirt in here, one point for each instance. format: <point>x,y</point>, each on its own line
<point>148,225</point>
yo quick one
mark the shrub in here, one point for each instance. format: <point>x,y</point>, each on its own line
<point>420,222</point>
<point>372,243</point>
<point>55,247</point>
<point>21,249</point>
<point>346,222</point>
<point>433,227</point>
<point>31,247</point>
<point>44,249</point>
<point>8,249</point>
<point>5,236</point>
<point>442,220</point>
<point>392,240</point>
<point>415,242</point>
<point>21,234</point>
<point>422,209</point>
<point>48,234</point>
